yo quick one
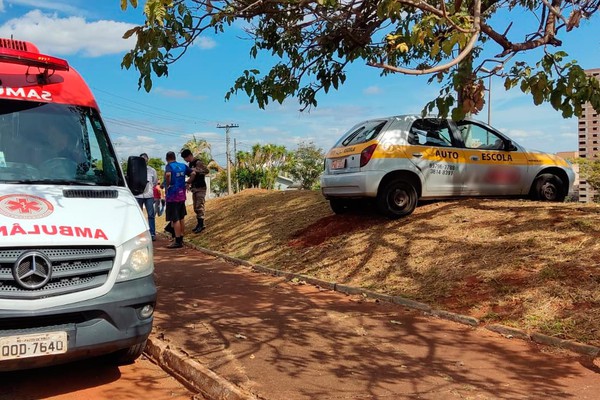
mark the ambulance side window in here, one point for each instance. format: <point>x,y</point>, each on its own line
<point>477,137</point>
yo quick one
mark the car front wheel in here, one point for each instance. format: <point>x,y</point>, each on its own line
<point>397,199</point>
<point>549,187</point>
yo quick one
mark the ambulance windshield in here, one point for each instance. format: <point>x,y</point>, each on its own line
<point>55,143</point>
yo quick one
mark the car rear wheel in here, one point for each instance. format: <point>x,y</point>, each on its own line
<point>339,206</point>
<point>548,187</point>
<point>397,199</point>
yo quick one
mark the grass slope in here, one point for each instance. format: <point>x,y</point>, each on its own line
<point>535,266</point>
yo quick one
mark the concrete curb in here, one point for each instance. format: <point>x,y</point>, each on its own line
<point>192,373</point>
<point>508,332</point>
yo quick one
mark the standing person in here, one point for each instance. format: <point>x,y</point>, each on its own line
<point>197,186</point>
<point>146,199</point>
<point>158,208</point>
<point>175,183</point>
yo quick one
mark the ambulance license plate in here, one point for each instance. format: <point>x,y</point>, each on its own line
<point>338,163</point>
<point>35,345</point>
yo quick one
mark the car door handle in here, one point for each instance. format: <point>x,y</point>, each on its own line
<point>418,155</point>
<point>474,158</point>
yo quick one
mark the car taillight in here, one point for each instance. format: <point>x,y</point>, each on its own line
<point>366,154</point>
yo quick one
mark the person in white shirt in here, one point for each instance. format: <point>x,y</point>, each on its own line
<point>146,199</point>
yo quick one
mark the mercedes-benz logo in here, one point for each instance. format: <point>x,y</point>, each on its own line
<point>32,270</point>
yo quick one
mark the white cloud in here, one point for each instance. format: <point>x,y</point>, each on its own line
<point>519,134</point>
<point>205,43</point>
<point>372,90</point>
<point>178,94</point>
<point>72,35</point>
<point>47,5</point>
<point>1,6</point>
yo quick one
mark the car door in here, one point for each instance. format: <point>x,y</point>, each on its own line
<point>436,153</point>
<point>494,165</point>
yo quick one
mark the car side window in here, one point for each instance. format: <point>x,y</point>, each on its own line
<point>430,132</point>
<point>477,137</point>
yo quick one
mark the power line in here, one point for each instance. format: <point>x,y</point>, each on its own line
<point>161,132</point>
<point>152,107</point>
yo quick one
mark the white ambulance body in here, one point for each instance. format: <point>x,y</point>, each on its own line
<point>399,160</point>
<point>76,267</point>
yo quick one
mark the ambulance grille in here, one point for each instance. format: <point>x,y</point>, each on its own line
<point>74,269</point>
<point>91,194</point>
<point>14,44</point>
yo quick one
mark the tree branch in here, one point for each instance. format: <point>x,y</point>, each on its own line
<point>465,52</point>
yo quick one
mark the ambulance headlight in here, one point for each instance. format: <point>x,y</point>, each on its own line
<point>137,258</point>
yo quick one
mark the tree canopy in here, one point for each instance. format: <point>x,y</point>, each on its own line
<point>306,164</point>
<point>589,170</point>
<point>200,149</point>
<point>314,41</point>
<point>260,167</point>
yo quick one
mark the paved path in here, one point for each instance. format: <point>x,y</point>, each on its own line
<point>93,379</point>
<point>284,340</point>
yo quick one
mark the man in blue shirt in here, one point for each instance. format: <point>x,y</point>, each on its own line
<point>175,184</point>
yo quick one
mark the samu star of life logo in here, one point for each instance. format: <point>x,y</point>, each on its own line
<point>24,206</point>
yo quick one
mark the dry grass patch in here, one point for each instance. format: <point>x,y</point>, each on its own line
<point>526,264</point>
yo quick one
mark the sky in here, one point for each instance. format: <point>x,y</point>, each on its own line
<point>190,102</point>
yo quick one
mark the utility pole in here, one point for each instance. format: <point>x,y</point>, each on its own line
<point>235,165</point>
<point>227,127</point>
<point>489,105</point>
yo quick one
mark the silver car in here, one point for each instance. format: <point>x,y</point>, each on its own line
<point>401,159</point>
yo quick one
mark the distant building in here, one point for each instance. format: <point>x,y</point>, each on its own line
<point>589,136</point>
<point>283,182</point>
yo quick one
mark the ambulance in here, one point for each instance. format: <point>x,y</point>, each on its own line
<point>76,267</point>
<point>397,161</point>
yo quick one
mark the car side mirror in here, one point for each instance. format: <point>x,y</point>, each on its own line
<point>137,175</point>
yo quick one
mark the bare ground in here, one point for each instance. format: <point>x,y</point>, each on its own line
<point>535,266</point>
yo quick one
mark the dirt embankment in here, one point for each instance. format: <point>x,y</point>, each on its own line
<point>531,265</point>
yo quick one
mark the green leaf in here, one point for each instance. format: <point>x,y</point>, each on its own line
<point>435,49</point>
<point>447,46</point>
<point>556,99</point>
<point>187,21</point>
<point>147,84</point>
<point>130,32</point>
<point>127,60</point>
<point>457,113</point>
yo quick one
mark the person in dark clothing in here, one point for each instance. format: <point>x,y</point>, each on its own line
<point>197,186</point>
<point>175,184</point>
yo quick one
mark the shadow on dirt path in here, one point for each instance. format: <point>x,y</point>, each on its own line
<point>285,340</point>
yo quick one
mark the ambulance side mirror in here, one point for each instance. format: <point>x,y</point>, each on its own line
<point>136,175</point>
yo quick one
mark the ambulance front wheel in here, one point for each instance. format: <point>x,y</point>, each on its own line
<point>128,355</point>
<point>397,199</point>
<point>548,187</point>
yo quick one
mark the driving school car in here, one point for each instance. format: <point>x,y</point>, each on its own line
<point>401,159</point>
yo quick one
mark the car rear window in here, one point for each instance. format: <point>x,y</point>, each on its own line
<point>362,133</point>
